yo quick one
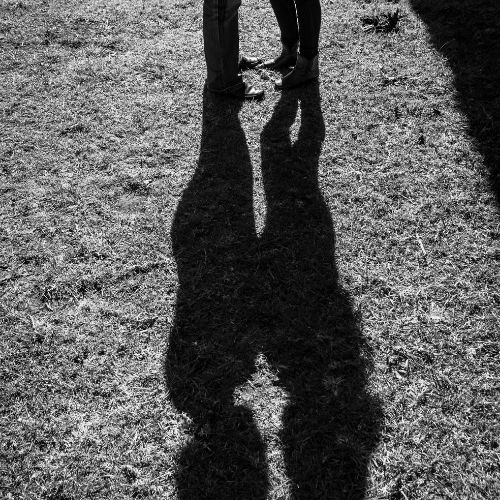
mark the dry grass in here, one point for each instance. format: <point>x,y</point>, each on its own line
<point>286,299</point>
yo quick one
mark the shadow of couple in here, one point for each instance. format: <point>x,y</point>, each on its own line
<point>243,295</point>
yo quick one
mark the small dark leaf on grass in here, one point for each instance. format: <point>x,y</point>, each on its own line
<point>382,23</point>
<point>72,44</point>
<point>136,186</point>
<point>111,44</point>
<point>58,494</point>
<point>78,128</point>
<point>49,37</point>
<point>148,323</point>
<point>130,473</point>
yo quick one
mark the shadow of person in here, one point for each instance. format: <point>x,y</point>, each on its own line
<point>311,334</point>
<point>210,351</point>
<point>468,35</point>
<point>242,296</point>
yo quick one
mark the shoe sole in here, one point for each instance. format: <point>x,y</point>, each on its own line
<point>253,98</point>
<point>286,64</point>
<point>244,97</point>
<point>249,67</point>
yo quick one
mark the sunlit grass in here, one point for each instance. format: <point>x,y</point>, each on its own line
<point>100,106</point>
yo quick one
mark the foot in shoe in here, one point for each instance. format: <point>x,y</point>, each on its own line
<point>243,91</point>
<point>248,62</point>
<point>287,58</point>
<point>304,71</point>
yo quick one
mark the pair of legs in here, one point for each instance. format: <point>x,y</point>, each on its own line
<point>221,43</point>
<point>299,20</point>
<point>300,23</point>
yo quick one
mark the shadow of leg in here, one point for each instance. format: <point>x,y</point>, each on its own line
<point>225,460</point>
<point>330,423</point>
<point>211,350</point>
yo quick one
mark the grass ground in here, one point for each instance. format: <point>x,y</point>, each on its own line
<point>287,299</point>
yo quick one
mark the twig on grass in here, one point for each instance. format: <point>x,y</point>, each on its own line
<point>421,244</point>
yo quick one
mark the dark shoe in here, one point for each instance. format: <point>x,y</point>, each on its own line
<point>247,62</point>
<point>304,71</point>
<point>287,58</point>
<point>242,91</point>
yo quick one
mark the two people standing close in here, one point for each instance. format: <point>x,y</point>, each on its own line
<point>299,22</point>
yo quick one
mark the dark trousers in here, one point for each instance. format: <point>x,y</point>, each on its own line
<point>299,20</point>
<point>221,42</point>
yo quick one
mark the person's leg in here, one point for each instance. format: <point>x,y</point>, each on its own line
<point>307,66</point>
<point>221,43</point>
<point>309,17</point>
<point>285,13</point>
